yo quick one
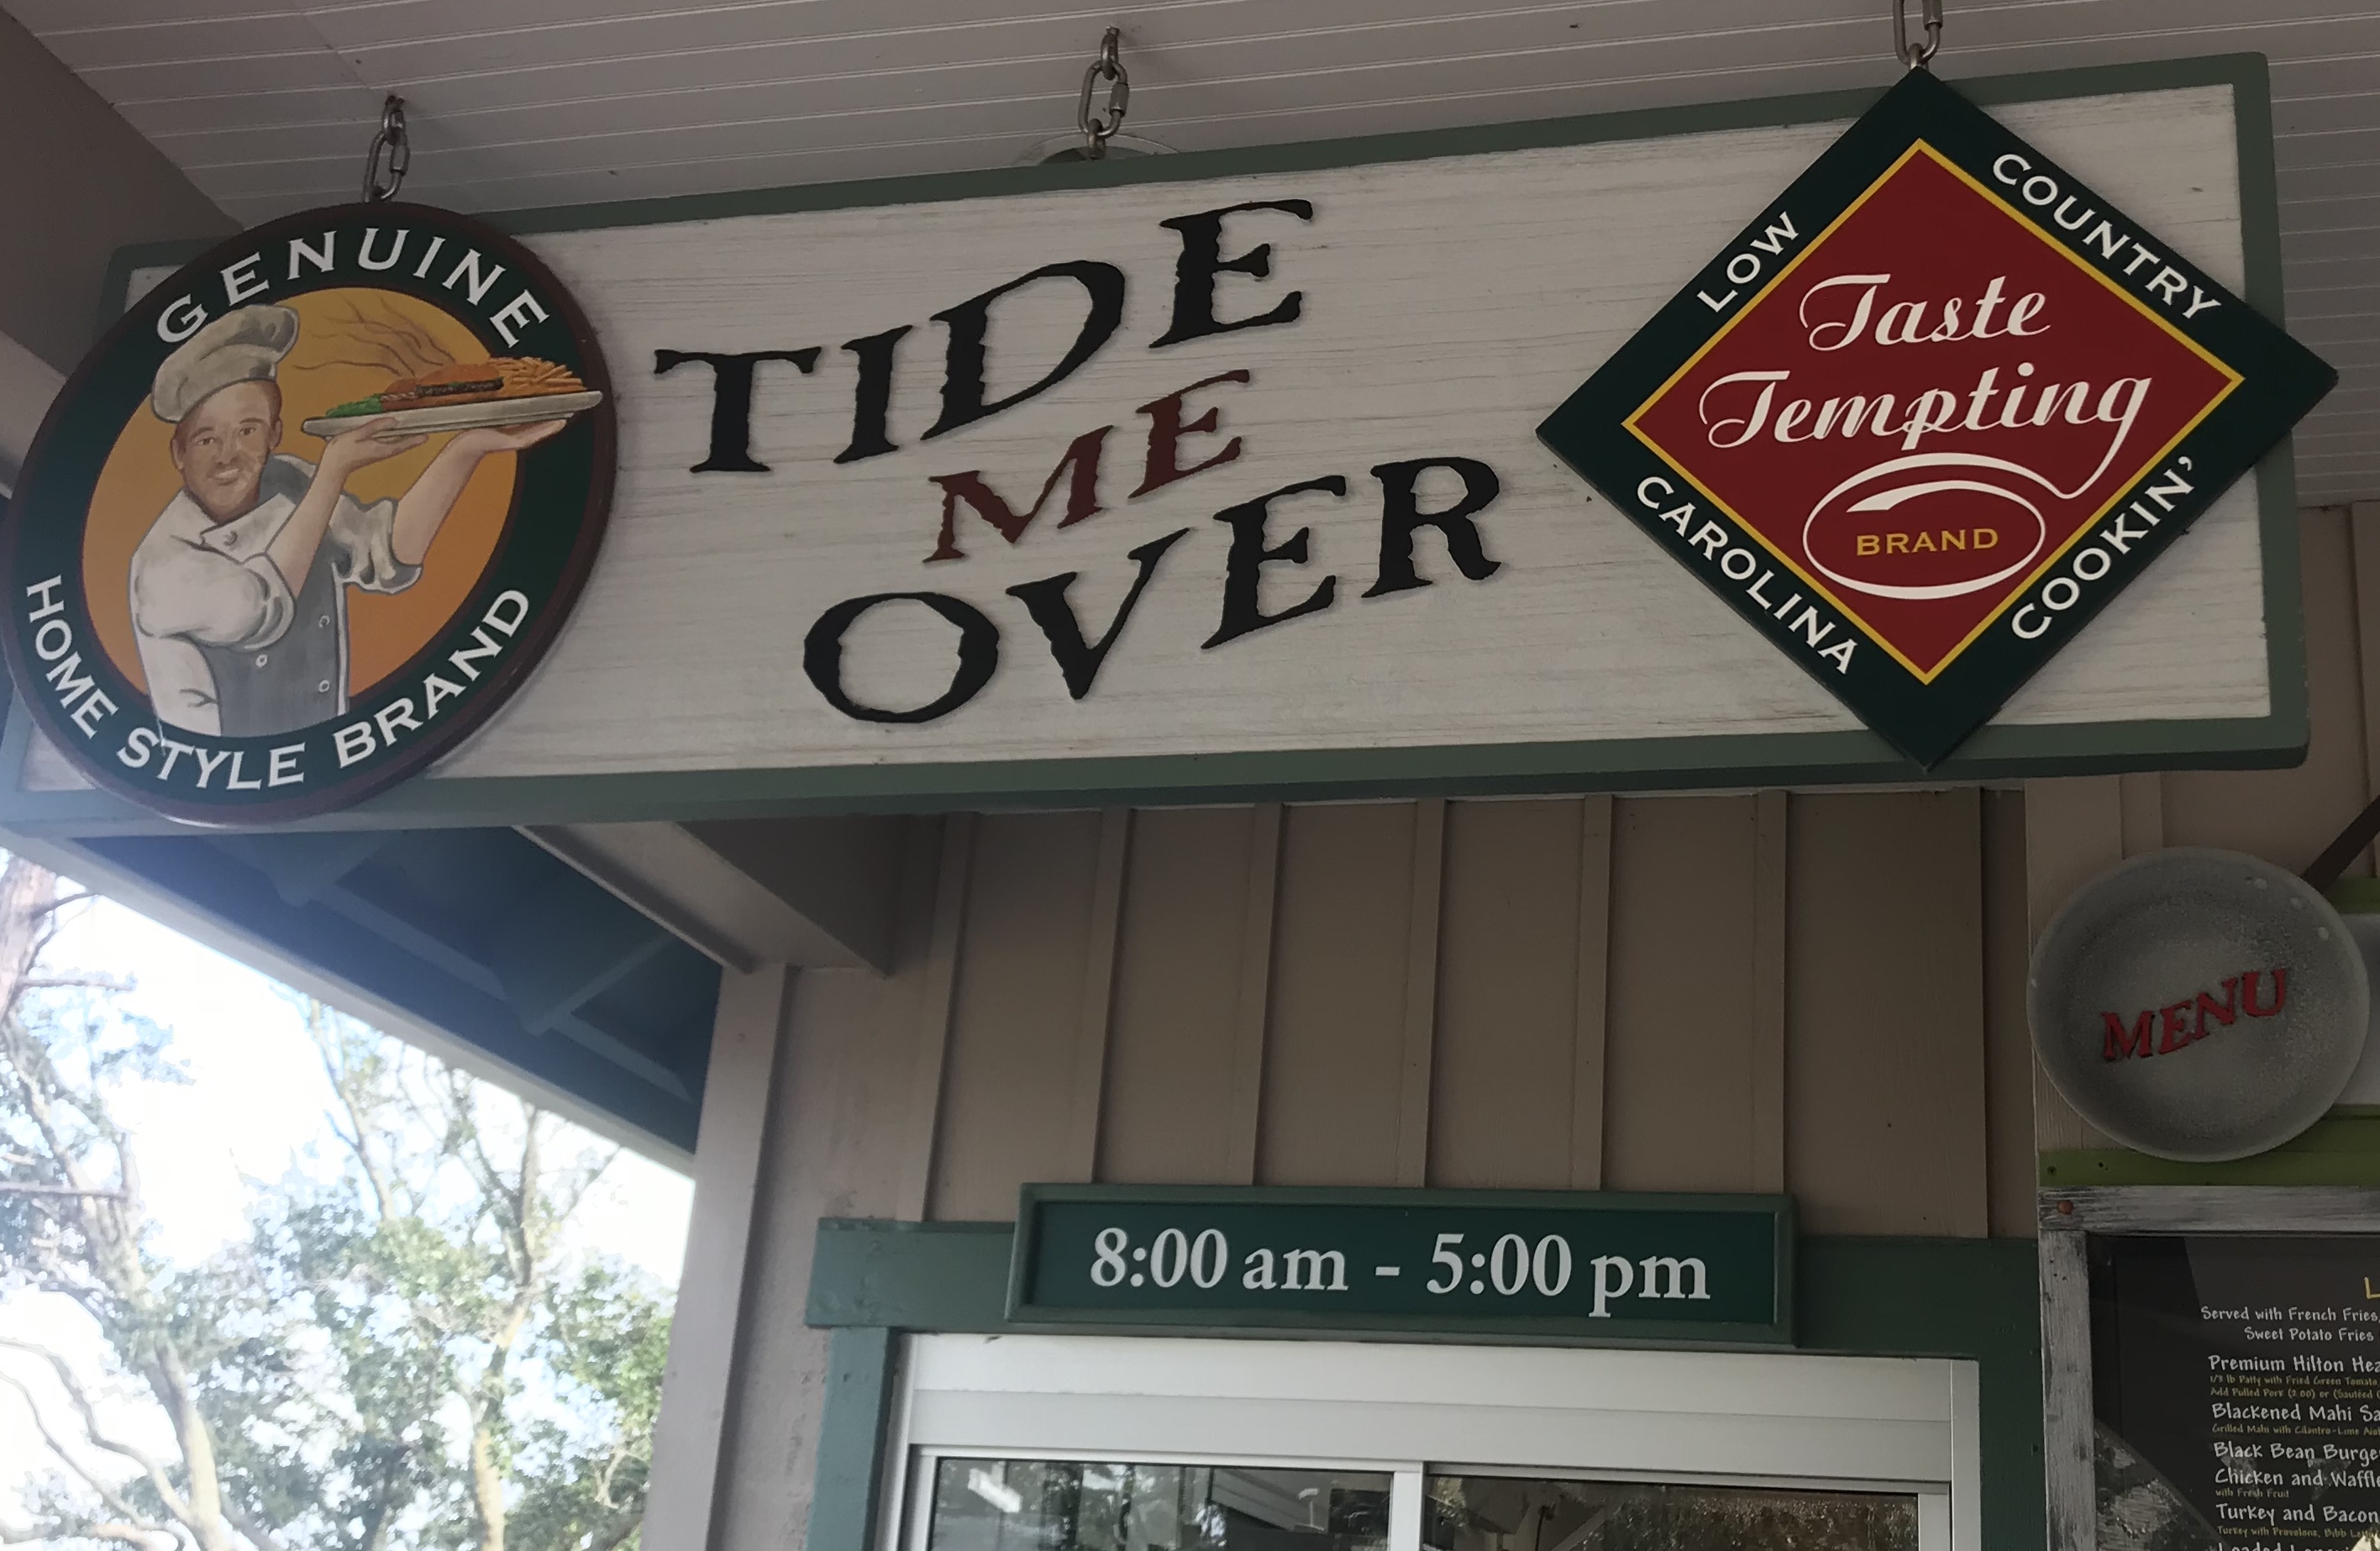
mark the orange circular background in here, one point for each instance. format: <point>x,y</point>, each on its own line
<point>351,342</point>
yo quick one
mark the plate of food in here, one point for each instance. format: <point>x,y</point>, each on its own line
<point>506,391</point>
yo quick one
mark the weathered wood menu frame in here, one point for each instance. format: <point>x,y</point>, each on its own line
<point>2069,1219</point>
<point>482,785</point>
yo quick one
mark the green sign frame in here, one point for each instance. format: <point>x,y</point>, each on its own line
<point>1603,1267</point>
<point>2277,739</point>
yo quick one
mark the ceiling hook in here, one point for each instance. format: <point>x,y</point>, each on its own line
<point>1098,128</point>
<point>1917,57</point>
<point>391,156</point>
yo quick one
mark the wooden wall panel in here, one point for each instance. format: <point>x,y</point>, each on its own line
<point>1679,1057</point>
<point>1166,1111</point>
<point>2287,816</point>
<point>1507,1047</point>
<point>1885,1024</point>
<point>2007,1038</point>
<point>838,1145</point>
<point>1009,1080</point>
<point>2073,831</point>
<point>1334,1044</point>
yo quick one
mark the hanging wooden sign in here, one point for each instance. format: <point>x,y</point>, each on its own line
<point>309,515</point>
<point>1217,477</point>
<point>1936,405</point>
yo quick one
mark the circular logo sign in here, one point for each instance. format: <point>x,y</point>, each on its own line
<point>2199,1005</point>
<point>309,515</point>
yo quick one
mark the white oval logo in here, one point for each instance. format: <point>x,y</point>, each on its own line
<point>1930,525</point>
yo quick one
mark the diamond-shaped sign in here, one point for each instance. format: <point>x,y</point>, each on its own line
<point>1932,409</point>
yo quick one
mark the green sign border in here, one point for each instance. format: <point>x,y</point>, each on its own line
<point>1777,1334</point>
<point>2276,739</point>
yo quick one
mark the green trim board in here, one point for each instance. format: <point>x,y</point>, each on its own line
<point>2342,1149</point>
<point>2277,738</point>
<point>1670,1270</point>
<point>853,1418</point>
<point>1966,1298</point>
<point>1650,765</point>
<point>2355,896</point>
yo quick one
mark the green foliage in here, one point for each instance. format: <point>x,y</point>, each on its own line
<point>586,1485</point>
<point>403,1353</point>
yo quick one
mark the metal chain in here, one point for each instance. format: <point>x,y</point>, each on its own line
<point>1098,129</point>
<point>1917,55</point>
<point>382,182</point>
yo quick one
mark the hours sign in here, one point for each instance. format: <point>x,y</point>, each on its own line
<point>1691,1269</point>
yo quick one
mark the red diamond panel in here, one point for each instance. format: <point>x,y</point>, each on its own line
<point>1921,412</point>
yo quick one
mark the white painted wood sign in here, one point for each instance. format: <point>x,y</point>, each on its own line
<point>1138,487</point>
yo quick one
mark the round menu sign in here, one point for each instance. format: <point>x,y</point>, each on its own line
<point>2198,1004</point>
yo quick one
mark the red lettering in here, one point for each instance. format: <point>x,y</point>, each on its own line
<point>1082,455</point>
<point>2225,1011</point>
<point>2172,1025</point>
<point>2121,1042</point>
<point>1167,428</point>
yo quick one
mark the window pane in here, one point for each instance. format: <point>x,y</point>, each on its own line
<point>1067,1504</point>
<point>1515,1513</point>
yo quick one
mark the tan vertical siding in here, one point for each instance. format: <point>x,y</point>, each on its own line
<point>1008,1082</point>
<point>1819,994</point>
<point>1167,1108</point>
<point>2007,1039</point>
<point>1885,1057</point>
<point>2289,815</point>
<point>1679,1105</point>
<point>1335,1038</point>
<point>1502,1111</point>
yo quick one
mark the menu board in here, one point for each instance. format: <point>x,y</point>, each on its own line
<point>2236,1387</point>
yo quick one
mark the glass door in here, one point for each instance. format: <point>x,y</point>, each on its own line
<point>1096,1505</point>
<point>977,1503</point>
<point>1482,1512</point>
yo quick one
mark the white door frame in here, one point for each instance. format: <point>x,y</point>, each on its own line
<point>1906,1425</point>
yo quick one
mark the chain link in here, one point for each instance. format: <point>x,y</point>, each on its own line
<point>382,177</point>
<point>1098,128</point>
<point>1917,55</point>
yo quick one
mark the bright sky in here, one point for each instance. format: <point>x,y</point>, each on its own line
<point>255,1105</point>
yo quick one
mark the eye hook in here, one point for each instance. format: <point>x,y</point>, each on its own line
<point>391,155</point>
<point>1098,128</point>
<point>1917,57</point>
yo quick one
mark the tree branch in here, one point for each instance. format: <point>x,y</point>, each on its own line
<point>127,1534</point>
<point>258,1536</point>
<point>105,1489</point>
<point>93,1430</point>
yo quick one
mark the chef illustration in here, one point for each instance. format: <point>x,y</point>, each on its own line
<point>239,590</point>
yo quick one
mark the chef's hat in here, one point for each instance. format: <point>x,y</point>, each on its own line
<point>242,346</point>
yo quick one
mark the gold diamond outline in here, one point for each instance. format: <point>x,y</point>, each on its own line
<point>2231,384</point>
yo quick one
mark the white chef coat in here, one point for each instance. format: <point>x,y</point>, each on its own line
<point>200,585</point>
